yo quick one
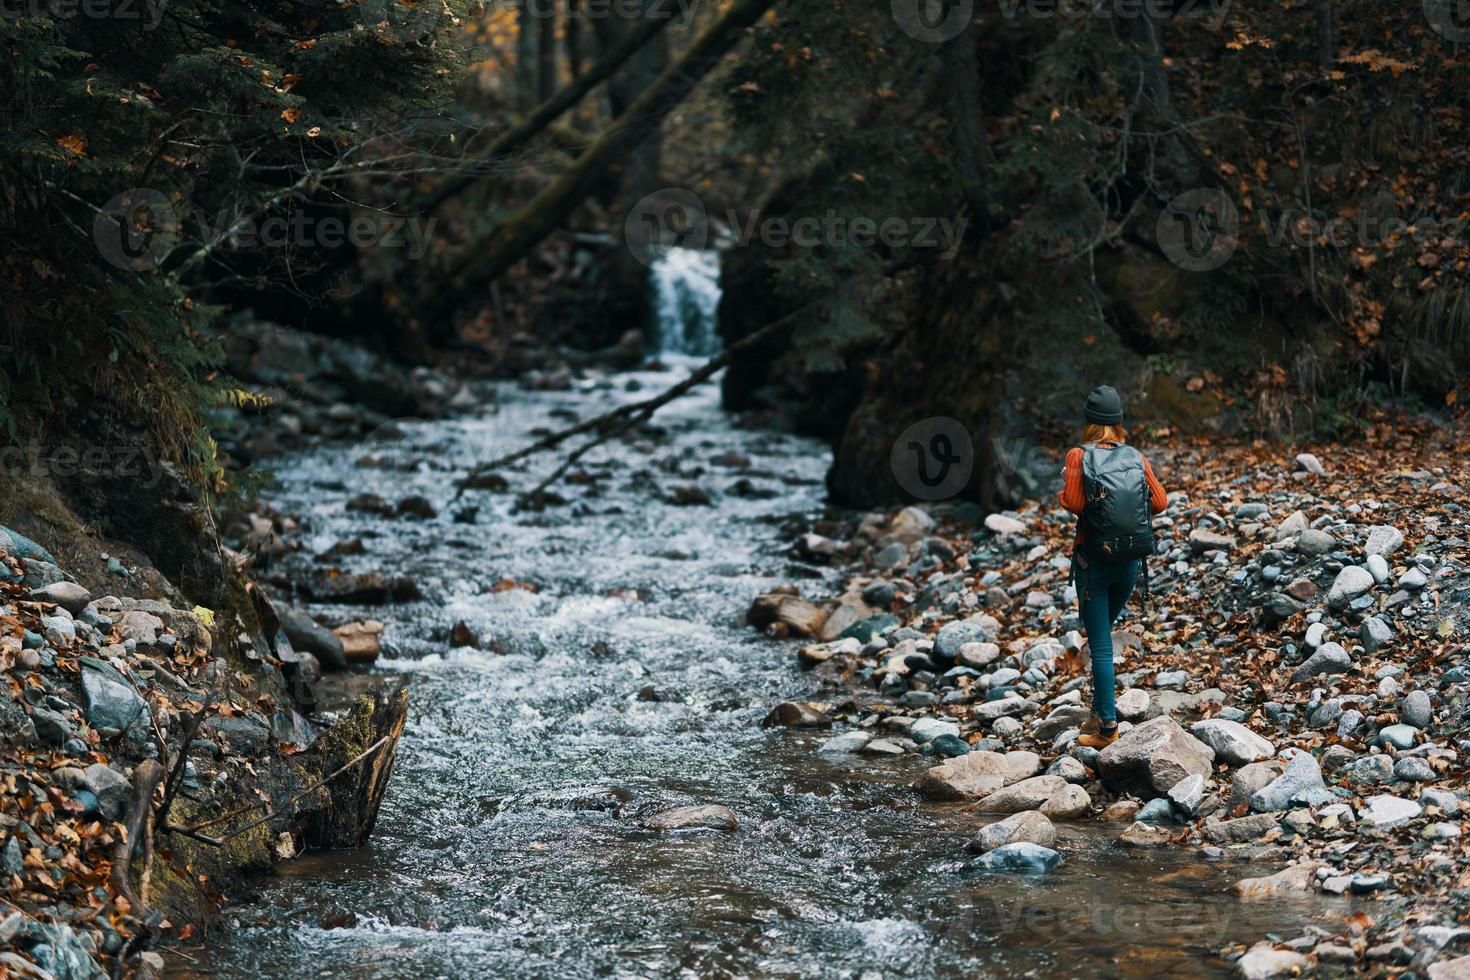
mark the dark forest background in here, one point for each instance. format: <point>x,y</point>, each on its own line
<point>1251,218</point>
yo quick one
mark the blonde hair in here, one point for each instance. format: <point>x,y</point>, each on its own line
<point>1093,432</point>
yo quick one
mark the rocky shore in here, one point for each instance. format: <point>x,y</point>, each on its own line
<point>1295,692</point>
<point>155,753</point>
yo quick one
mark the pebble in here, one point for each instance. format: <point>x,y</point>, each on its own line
<point>1383,540</point>
<point>1413,769</point>
<point>1330,658</point>
<point>1416,710</point>
<point>844,743</point>
<point>1447,802</point>
<point>1374,633</point>
<point>1386,811</point>
<point>1378,568</point>
<point>1353,581</point>
<point>1399,736</point>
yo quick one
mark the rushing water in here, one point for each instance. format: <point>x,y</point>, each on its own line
<point>500,850</point>
<point>686,294</point>
<point>627,682</point>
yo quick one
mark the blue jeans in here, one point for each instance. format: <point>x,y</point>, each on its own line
<point>1102,589</point>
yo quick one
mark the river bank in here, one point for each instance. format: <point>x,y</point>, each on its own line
<point>1296,685</point>
<point>584,765</point>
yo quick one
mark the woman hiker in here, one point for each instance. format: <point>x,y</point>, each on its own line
<point>1112,490</point>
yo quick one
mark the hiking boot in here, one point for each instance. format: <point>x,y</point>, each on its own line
<point>1104,737</point>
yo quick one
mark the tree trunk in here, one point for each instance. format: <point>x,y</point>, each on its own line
<point>525,71</point>
<point>547,112</point>
<point>546,56</point>
<point>543,215</point>
<point>1326,34</point>
<point>968,151</point>
<point>574,39</point>
<point>1168,161</point>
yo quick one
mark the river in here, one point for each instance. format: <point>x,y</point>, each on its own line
<point>627,682</point>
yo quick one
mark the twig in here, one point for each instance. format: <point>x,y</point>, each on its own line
<point>175,778</point>
<point>216,841</point>
<point>145,780</point>
<point>620,418</point>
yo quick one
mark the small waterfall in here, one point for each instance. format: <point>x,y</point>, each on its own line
<point>686,285</point>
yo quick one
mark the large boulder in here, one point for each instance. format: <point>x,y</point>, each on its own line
<point>1264,961</point>
<point>967,777</point>
<point>1029,826</point>
<point>1232,742</point>
<point>1029,794</point>
<point>112,704</point>
<point>1150,758</point>
<point>68,595</point>
<point>1300,784</point>
<point>850,611</point>
<point>307,636</point>
<point>1020,765</point>
<point>1296,878</point>
<point>1020,857</point>
<point>712,817</point>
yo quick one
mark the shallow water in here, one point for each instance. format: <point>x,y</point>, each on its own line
<point>502,848</point>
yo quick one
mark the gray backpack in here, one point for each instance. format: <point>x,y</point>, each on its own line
<point>1118,520</point>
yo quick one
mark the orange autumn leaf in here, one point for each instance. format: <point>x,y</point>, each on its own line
<point>74,143</point>
<point>291,114</point>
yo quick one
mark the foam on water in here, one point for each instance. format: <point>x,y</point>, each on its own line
<point>496,852</point>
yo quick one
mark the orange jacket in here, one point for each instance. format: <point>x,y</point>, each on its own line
<point>1074,498</point>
